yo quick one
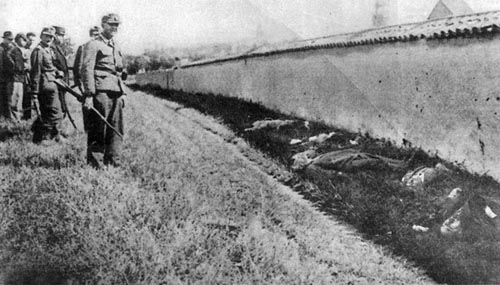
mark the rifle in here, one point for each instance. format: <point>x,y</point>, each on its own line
<point>64,106</point>
<point>80,98</point>
<point>35,103</point>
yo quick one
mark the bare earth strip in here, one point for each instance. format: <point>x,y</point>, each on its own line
<point>187,206</point>
<point>303,239</point>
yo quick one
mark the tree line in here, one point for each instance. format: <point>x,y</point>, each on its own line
<point>168,57</point>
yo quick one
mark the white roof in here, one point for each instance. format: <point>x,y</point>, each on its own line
<point>449,8</point>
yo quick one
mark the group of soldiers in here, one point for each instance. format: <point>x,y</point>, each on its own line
<point>14,63</point>
<point>42,72</point>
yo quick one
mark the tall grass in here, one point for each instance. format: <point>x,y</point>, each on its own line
<point>374,201</point>
<point>185,208</point>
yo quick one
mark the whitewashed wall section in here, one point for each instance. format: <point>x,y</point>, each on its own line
<point>440,95</point>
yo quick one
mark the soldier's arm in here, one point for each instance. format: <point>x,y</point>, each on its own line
<point>16,56</point>
<point>77,64</point>
<point>26,59</point>
<point>58,62</point>
<point>9,62</point>
<point>87,69</point>
<point>119,60</point>
<point>36,70</point>
<point>1,60</point>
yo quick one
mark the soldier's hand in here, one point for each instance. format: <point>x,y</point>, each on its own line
<point>122,98</point>
<point>36,105</point>
<point>88,103</point>
<point>59,74</point>
<point>35,101</point>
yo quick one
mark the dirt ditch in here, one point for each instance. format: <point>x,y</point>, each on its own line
<point>419,206</point>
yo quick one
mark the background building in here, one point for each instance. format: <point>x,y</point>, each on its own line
<point>449,8</point>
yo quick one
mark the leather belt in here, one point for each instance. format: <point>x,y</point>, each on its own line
<point>112,72</point>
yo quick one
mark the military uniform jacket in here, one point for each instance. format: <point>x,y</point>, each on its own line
<point>77,65</point>
<point>102,65</point>
<point>16,57</point>
<point>60,61</point>
<point>42,67</point>
<point>5,63</point>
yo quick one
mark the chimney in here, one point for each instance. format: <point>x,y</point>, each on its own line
<point>385,13</point>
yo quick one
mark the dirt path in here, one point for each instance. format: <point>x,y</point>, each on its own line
<point>302,238</point>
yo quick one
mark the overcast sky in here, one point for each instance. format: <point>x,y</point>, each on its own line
<point>187,22</point>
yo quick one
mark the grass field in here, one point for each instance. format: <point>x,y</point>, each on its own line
<point>374,201</point>
<point>186,207</point>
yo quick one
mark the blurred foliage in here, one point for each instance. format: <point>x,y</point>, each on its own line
<point>165,58</point>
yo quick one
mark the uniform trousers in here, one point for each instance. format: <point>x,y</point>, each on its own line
<point>15,92</point>
<point>27,101</point>
<point>4,100</point>
<point>103,144</point>
<point>47,126</point>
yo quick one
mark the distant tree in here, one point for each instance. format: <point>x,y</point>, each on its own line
<point>154,59</point>
<point>141,62</point>
<point>129,63</point>
<point>196,56</point>
<point>166,62</point>
<point>135,64</point>
<point>158,59</point>
<point>164,58</point>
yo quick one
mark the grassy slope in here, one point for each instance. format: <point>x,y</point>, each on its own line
<point>186,207</point>
<point>373,201</point>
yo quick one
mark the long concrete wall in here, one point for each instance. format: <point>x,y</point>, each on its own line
<point>440,95</point>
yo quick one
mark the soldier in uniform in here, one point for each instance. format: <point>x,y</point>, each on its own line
<point>77,65</point>
<point>43,89</point>
<point>5,72</point>
<point>101,73</point>
<point>61,63</point>
<point>15,86</point>
<point>31,40</point>
<point>27,103</point>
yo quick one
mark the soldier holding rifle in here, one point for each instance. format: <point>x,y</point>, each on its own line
<point>27,101</point>
<point>94,33</point>
<point>77,66</point>
<point>44,90</point>
<point>61,63</point>
<point>101,75</point>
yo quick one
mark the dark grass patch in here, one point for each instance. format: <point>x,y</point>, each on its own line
<point>374,201</point>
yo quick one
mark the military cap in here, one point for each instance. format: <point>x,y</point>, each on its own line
<point>60,30</point>
<point>30,34</point>
<point>49,31</point>
<point>8,35</point>
<point>22,36</point>
<point>94,30</point>
<point>111,19</point>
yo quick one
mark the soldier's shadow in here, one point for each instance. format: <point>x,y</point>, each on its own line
<point>6,134</point>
